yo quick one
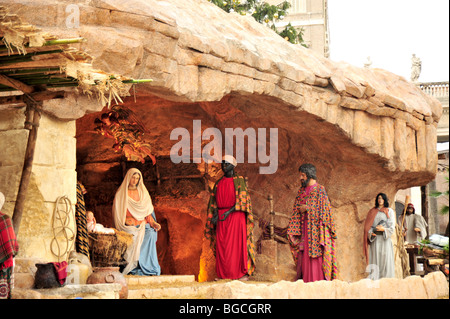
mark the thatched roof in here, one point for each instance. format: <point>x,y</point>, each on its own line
<point>32,61</point>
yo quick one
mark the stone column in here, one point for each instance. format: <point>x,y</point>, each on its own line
<point>53,175</point>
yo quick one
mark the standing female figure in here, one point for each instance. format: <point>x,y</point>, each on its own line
<point>378,229</point>
<point>134,213</point>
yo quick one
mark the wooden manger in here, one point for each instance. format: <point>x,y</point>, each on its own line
<point>107,250</point>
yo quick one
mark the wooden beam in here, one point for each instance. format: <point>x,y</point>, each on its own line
<point>5,80</point>
<point>44,63</point>
<point>37,96</point>
<point>34,109</point>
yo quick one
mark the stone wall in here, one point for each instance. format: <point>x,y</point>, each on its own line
<point>53,175</point>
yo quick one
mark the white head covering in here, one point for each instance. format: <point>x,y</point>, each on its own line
<point>2,200</point>
<point>230,159</point>
<point>138,209</point>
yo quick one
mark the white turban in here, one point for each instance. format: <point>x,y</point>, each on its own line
<point>2,200</point>
<point>230,159</point>
<point>138,209</point>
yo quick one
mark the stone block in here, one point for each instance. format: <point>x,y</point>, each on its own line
<point>269,249</point>
<point>393,288</point>
<point>161,44</point>
<point>321,289</point>
<point>126,48</point>
<point>387,137</point>
<point>92,291</point>
<point>436,285</point>
<point>9,183</point>
<point>337,83</point>
<point>53,183</point>
<point>278,290</point>
<point>361,289</point>
<point>12,119</point>
<point>400,144</point>
<point>26,265</point>
<point>209,89</point>
<point>431,140</point>
<point>56,143</point>
<point>332,113</point>
<point>13,145</point>
<point>187,80</point>
<point>73,106</point>
<point>415,288</point>
<point>352,103</point>
<point>366,132</point>
<point>23,281</point>
<point>411,149</point>
<point>345,120</point>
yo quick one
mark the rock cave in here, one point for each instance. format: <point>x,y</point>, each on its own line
<point>366,131</point>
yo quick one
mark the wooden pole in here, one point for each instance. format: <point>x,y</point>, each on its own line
<point>424,192</point>
<point>272,215</point>
<point>407,201</point>
<point>33,109</point>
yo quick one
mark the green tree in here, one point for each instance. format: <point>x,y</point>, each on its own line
<point>265,14</point>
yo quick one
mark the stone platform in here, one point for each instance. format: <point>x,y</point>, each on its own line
<point>432,286</point>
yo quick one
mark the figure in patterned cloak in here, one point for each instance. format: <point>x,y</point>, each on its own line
<point>121,125</point>
<point>311,230</point>
<point>229,224</point>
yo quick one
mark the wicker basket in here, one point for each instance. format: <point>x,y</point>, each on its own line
<point>107,250</point>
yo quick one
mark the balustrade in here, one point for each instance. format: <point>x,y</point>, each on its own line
<point>435,89</point>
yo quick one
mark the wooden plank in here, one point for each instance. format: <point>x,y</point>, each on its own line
<point>34,111</point>
<point>37,96</point>
<point>5,80</point>
<point>47,63</point>
<point>436,261</point>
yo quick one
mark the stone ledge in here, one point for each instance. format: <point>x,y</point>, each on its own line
<point>432,286</point>
<point>92,291</point>
<point>149,281</point>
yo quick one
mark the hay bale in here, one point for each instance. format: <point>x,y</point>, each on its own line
<point>108,249</point>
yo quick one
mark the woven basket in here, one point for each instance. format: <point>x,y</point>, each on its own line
<point>107,250</point>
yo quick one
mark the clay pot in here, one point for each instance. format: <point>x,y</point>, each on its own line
<point>45,276</point>
<point>109,275</point>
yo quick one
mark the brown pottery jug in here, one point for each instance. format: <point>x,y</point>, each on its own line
<point>109,275</point>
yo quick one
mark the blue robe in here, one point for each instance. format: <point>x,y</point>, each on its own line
<point>148,258</point>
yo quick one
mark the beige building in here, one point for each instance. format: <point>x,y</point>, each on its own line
<point>439,90</point>
<point>312,17</point>
<point>438,223</point>
<point>425,205</point>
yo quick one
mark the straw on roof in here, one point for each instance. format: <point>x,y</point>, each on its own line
<point>32,60</point>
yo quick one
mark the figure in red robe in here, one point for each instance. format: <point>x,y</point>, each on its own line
<point>230,225</point>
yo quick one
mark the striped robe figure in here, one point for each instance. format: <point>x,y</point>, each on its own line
<point>82,242</point>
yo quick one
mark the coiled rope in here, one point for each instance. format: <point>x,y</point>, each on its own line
<point>63,234</point>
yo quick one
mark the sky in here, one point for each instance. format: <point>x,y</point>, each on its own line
<point>390,32</point>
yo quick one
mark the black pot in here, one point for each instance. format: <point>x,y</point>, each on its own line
<point>46,276</point>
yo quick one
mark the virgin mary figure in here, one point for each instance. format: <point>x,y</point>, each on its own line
<point>134,213</point>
